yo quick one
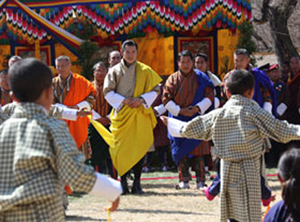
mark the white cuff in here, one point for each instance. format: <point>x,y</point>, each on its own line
<point>173,108</point>
<point>114,99</point>
<point>161,109</point>
<point>106,188</point>
<point>268,107</point>
<point>95,115</point>
<point>281,108</point>
<point>175,126</point>
<point>60,105</point>
<point>69,114</point>
<point>149,98</point>
<point>84,105</point>
<point>108,116</point>
<point>217,102</point>
<point>204,104</point>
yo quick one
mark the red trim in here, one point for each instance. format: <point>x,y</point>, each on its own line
<point>173,178</point>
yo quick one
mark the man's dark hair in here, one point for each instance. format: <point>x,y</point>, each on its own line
<point>202,55</point>
<point>28,78</point>
<point>184,53</point>
<point>99,64</point>
<point>129,43</point>
<point>242,51</point>
<point>239,81</point>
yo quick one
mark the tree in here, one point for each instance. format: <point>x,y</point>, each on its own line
<point>277,14</point>
<point>246,41</point>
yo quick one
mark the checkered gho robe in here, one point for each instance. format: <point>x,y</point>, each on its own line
<point>37,157</point>
<point>237,130</point>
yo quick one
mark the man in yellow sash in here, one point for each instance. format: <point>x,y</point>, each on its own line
<point>130,87</point>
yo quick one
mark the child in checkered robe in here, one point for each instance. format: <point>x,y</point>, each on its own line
<point>38,156</point>
<point>237,130</point>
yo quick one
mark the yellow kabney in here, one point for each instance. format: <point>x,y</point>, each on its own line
<point>131,128</point>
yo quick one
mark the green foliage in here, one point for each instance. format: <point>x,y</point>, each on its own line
<point>246,41</point>
<point>86,60</point>
<point>83,30</point>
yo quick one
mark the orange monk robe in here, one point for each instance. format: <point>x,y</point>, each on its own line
<point>80,88</point>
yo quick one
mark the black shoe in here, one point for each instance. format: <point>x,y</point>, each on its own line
<point>136,188</point>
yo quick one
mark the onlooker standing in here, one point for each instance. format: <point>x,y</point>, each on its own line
<point>292,112</point>
<point>74,91</point>
<point>100,149</point>
<point>188,93</point>
<point>201,63</point>
<point>282,96</point>
<point>114,58</point>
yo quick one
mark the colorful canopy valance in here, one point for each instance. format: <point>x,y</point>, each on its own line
<point>117,17</point>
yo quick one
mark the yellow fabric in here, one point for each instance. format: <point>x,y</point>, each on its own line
<point>227,42</point>
<point>132,128</point>
<point>157,51</point>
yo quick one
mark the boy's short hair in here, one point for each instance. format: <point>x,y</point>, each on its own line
<point>184,53</point>
<point>202,55</point>
<point>242,51</point>
<point>239,81</point>
<point>129,43</point>
<point>28,78</point>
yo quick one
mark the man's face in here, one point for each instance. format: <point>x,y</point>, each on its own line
<point>274,75</point>
<point>100,73</point>
<point>241,61</point>
<point>114,58</point>
<point>185,64</point>
<point>295,65</point>
<point>201,64</point>
<point>4,82</point>
<point>63,68</point>
<point>130,54</point>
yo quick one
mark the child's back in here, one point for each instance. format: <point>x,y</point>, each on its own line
<point>37,153</point>
<point>237,131</point>
<point>38,156</point>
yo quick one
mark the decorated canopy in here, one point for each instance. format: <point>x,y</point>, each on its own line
<point>26,22</point>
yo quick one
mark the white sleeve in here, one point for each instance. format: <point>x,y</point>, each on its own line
<point>175,126</point>
<point>60,105</point>
<point>204,104</point>
<point>149,98</point>
<point>217,102</point>
<point>69,114</point>
<point>106,188</point>
<point>268,107</point>
<point>281,108</point>
<point>114,99</point>
<point>173,108</point>
<point>84,105</point>
<point>95,115</point>
<point>161,109</point>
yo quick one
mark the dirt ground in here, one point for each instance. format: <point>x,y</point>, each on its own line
<point>162,202</point>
